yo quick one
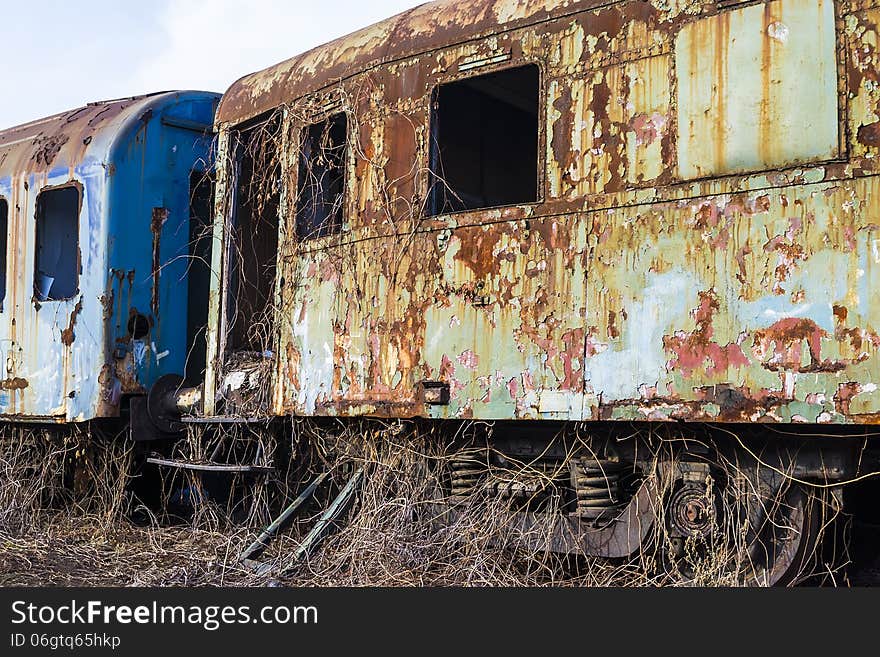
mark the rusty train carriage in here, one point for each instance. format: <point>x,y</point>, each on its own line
<point>109,187</point>
<point>699,243</point>
<point>703,246</point>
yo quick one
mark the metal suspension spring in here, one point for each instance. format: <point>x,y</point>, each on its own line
<point>468,467</point>
<point>597,484</point>
<point>526,480</point>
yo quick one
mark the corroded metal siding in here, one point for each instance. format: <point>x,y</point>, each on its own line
<point>705,246</point>
<point>762,81</point>
<point>46,154</point>
<point>70,360</point>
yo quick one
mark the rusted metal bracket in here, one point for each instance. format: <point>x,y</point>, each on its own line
<point>435,393</point>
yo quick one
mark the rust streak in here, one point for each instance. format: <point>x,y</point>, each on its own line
<point>68,335</point>
<point>160,216</point>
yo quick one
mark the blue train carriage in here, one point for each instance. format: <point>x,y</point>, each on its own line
<point>105,272</point>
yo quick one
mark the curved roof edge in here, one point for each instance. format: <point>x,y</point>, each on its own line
<point>65,139</point>
<point>419,30</point>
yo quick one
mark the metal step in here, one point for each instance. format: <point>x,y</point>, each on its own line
<point>209,466</point>
<point>225,419</point>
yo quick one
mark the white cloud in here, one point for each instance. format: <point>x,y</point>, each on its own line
<point>211,43</point>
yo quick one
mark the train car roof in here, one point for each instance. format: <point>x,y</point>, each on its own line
<point>422,29</point>
<point>65,139</point>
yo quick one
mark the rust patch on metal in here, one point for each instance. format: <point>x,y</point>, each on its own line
<point>48,147</point>
<point>787,338</point>
<point>844,396</point>
<point>111,390</point>
<point>68,335</point>
<point>561,142</point>
<point>160,216</point>
<point>869,135</point>
<point>695,351</point>
<point>107,301</point>
<point>59,140</point>
<point>477,250</point>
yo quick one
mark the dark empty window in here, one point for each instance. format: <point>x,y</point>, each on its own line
<point>4,227</point>
<point>198,278</point>
<point>320,188</point>
<point>484,141</point>
<point>255,235</point>
<point>56,265</point>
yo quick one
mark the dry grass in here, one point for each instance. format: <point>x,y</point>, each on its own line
<point>64,510</point>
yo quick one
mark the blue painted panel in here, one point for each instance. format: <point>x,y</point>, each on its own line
<point>149,209</point>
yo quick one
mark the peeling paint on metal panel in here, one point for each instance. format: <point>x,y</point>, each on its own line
<point>684,261</point>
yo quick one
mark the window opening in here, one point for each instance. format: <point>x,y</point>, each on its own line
<point>484,141</point>
<point>56,262</point>
<point>257,195</point>
<point>320,189</point>
<point>198,279</point>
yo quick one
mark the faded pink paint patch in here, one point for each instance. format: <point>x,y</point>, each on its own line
<point>794,227</point>
<point>574,350</point>
<point>605,235</point>
<point>721,240</point>
<point>849,236</point>
<point>329,272</point>
<point>775,242</point>
<point>468,359</point>
<point>447,373</point>
<point>513,387</point>
<point>696,350</point>
<point>647,128</point>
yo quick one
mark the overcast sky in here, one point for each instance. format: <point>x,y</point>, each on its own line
<point>61,54</point>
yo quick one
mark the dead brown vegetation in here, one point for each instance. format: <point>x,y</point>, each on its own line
<point>65,509</point>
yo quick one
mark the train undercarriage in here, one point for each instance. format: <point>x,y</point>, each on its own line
<point>679,501</point>
<point>686,504</point>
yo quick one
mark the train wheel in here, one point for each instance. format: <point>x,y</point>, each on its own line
<point>782,549</point>
<point>743,529</point>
